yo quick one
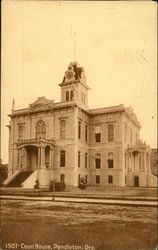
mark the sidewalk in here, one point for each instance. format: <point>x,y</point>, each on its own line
<point>79,194</point>
<point>105,201</point>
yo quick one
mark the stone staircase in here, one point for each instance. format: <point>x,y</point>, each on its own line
<point>19,179</point>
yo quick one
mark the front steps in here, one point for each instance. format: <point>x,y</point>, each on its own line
<point>19,179</point>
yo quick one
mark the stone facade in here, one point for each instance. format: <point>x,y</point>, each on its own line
<point>67,141</point>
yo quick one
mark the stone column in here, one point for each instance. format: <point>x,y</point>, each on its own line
<point>138,168</point>
<point>138,162</point>
<point>144,161</point>
<point>42,156</point>
<point>129,161</point>
<point>39,156</point>
<point>149,168</point>
<point>126,161</point>
<point>134,161</point>
<point>148,162</point>
<point>25,159</point>
<point>50,157</point>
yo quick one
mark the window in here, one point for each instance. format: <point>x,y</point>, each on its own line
<point>110,163</point>
<point>62,178</point>
<point>86,160</point>
<point>41,129</point>
<point>110,179</point>
<point>67,95</point>
<point>62,158</point>
<point>97,134</point>
<point>86,132</point>
<point>110,160</point>
<point>110,132</point>
<point>79,158</point>
<point>21,131</point>
<point>97,161</point>
<point>98,137</point>
<point>62,129</point>
<point>71,95</point>
<point>79,130</point>
<point>97,179</point>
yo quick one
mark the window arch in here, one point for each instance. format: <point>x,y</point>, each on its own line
<point>110,160</point>
<point>41,129</point>
<point>110,132</point>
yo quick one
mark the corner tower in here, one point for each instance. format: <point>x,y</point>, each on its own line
<point>74,87</point>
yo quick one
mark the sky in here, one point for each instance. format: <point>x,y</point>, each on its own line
<point>116,43</point>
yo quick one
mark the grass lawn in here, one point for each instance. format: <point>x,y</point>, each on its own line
<point>99,226</point>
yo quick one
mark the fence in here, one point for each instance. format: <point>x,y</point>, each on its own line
<point>114,190</point>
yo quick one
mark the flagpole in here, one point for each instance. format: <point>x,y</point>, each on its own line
<point>74,46</point>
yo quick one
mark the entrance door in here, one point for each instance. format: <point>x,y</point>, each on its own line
<point>32,157</point>
<point>136,181</point>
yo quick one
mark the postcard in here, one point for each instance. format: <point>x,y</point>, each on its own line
<point>79,125</point>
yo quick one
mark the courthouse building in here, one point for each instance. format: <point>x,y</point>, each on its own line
<point>67,141</point>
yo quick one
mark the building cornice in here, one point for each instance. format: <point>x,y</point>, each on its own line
<point>27,111</point>
<point>65,105</point>
<point>112,109</point>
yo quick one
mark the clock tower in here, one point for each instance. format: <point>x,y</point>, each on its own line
<point>74,87</point>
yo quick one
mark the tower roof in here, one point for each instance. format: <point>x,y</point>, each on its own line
<point>78,74</point>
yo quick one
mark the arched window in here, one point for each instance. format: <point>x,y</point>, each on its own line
<point>97,160</point>
<point>97,134</point>
<point>71,95</point>
<point>79,130</point>
<point>110,132</point>
<point>110,160</point>
<point>62,129</point>
<point>40,129</point>
<point>67,95</point>
<point>62,158</point>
